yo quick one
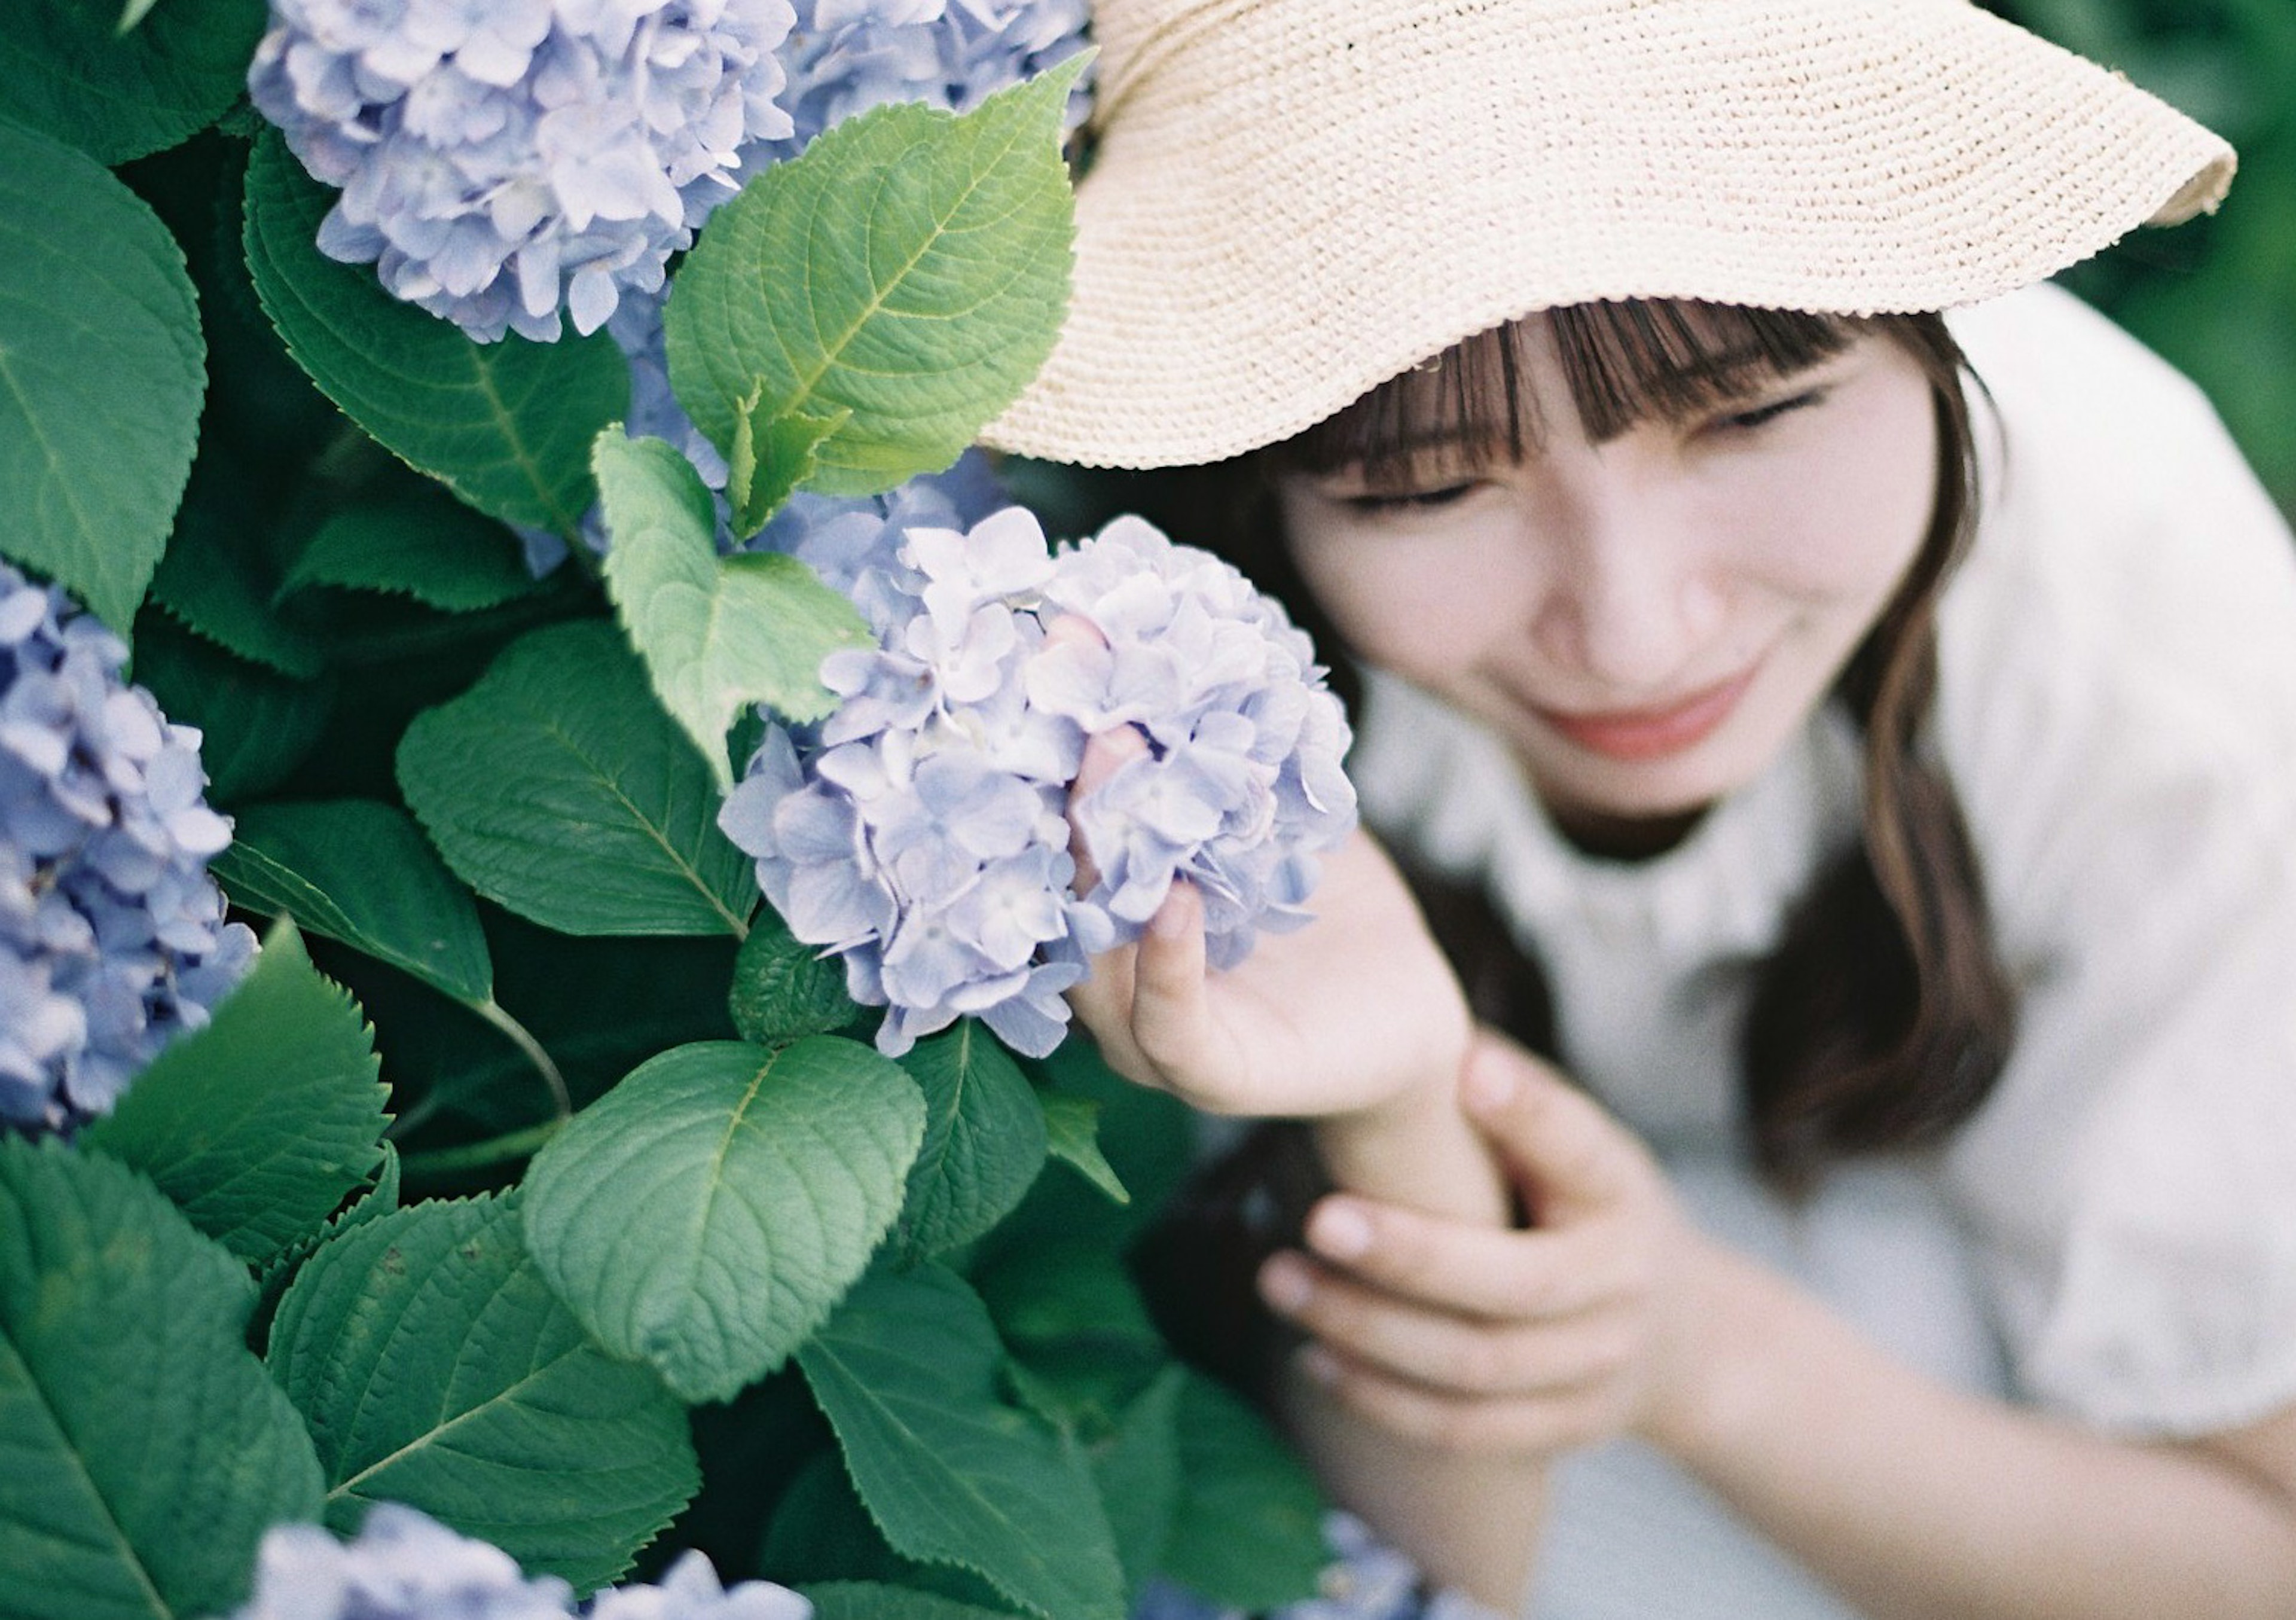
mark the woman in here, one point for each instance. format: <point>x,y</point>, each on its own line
<point>1893,777</point>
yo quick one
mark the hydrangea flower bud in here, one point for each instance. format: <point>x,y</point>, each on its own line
<point>500,160</point>
<point>406,1566</point>
<point>113,939</point>
<point>921,831</point>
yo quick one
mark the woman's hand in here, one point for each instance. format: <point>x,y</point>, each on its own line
<point>1356,1013</point>
<point>1531,1341</point>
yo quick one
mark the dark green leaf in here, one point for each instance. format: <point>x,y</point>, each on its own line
<point>907,1371</point>
<point>1138,1471</point>
<point>717,635</point>
<point>507,426</point>
<point>142,1451</point>
<point>256,727</point>
<point>984,1139</point>
<point>101,372</point>
<point>707,1213</point>
<point>910,269</point>
<point>259,1124</point>
<point>212,581</point>
<point>430,547</point>
<point>783,988</point>
<point>437,1368</point>
<point>821,1531</point>
<point>874,1600</point>
<point>1248,1529</point>
<point>558,787</point>
<point>1071,1133</point>
<point>359,871</point>
<point>75,69</point>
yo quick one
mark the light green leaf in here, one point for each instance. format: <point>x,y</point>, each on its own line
<point>437,1368</point>
<point>259,1124</point>
<point>874,1600</point>
<point>717,635</point>
<point>783,988</point>
<point>255,726</point>
<point>74,70</point>
<point>358,870</point>
<point>102,367</point>
<point>984,1139</point>
<point>557,786</point>
<point>430,547</point>
<point>506,426</point>
<point>707,1213</point>
<point>909,268</point>
<point>907,1373</point>
<point>143,1450</point>
<point>1071,1133</point>
<point>772,458</point>
<point>1248,1529</point>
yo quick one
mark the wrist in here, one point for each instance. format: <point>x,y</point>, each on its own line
<point>1719,1348</point>
<point>1416,1147</point>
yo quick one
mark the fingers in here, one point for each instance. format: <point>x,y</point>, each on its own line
<point>1443,1351</point>
<point>1543,1424</point>
<point>1478,1271</point>
<point>1104,753</point>
<point>1569,1157</point>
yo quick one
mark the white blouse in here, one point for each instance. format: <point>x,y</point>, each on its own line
<point>2116,712</point>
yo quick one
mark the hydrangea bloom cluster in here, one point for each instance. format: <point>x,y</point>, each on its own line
<point>922,830</point>
<point>113,939</point>
<point>406,1566</point>
<point>846,56</point>
<point>499,159</point>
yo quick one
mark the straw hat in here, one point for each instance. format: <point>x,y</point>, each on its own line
<point>1293,200</point>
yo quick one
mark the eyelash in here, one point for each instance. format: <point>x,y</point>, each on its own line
<point>1747,422</point>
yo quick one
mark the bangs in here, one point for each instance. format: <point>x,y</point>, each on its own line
<point>1625,362</point>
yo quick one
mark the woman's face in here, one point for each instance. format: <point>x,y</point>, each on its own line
<point>1647,621</point>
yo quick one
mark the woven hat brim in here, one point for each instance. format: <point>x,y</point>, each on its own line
<point>1296,205</point>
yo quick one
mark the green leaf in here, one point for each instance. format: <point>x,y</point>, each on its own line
<point>984,1139</point>
<point>707,1213</point>
<point>1247,1528</point>
<point>358,870</point>
<point>506,426</point>
<point>783,988</point>
<point>909,268</point>
<point>256,727</point>
<point>717,635</point>
<point>102,367</point>
<point>1072,1134</point>
<point>907,1373</point>
<point>874,1600</point>
<point>1138,1472</point>
<point>142,1451</point>
<point>821,1531</point>
<point>210,581</point>
<point>430,547</point>
<point>772,458</point>
<point>557,787</point>
<point>75,70</point>
<point>259,1124</point>
<point>437,1368</point>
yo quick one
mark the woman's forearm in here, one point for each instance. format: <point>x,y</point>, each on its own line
<point>1920,1503</point>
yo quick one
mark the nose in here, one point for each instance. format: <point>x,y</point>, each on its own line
<point>1627,604</point>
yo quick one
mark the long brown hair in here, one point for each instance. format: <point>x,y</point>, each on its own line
<point>1883,1017</point>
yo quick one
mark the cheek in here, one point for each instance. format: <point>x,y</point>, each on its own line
<point>1420,611</point>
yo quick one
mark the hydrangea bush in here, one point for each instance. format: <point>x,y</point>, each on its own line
<point>538,1203</point>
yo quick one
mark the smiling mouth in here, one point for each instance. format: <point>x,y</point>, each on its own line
<point>1655,732</point>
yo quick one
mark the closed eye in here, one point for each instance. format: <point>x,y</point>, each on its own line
<point>1762,414</point>
<point>1408,500</point>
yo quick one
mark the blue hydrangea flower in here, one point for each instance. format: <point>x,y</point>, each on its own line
<point>113,939</point>
<point>406,1566</point>
<point>500,160</point>
<point>921,830</point>
<point>1368,1579</point>
<point>846,56</point>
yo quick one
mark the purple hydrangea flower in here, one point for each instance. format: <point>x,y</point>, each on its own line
<point>921,831</point>
<point>406,1566</point>
<point>113,939</point>
<point>500,160</point>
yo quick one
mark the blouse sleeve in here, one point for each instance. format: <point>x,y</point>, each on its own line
<point>2118,710</point>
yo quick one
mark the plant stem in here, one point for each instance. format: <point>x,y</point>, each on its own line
<point>480,1155</point>
<point>491,1010</point>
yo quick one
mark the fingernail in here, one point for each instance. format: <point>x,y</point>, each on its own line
<point>1170,921</point>
<point>1320,1364</point>
<point>1488,1086</point>
<point>1339,1229</point>
<point>1284,1283</point>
